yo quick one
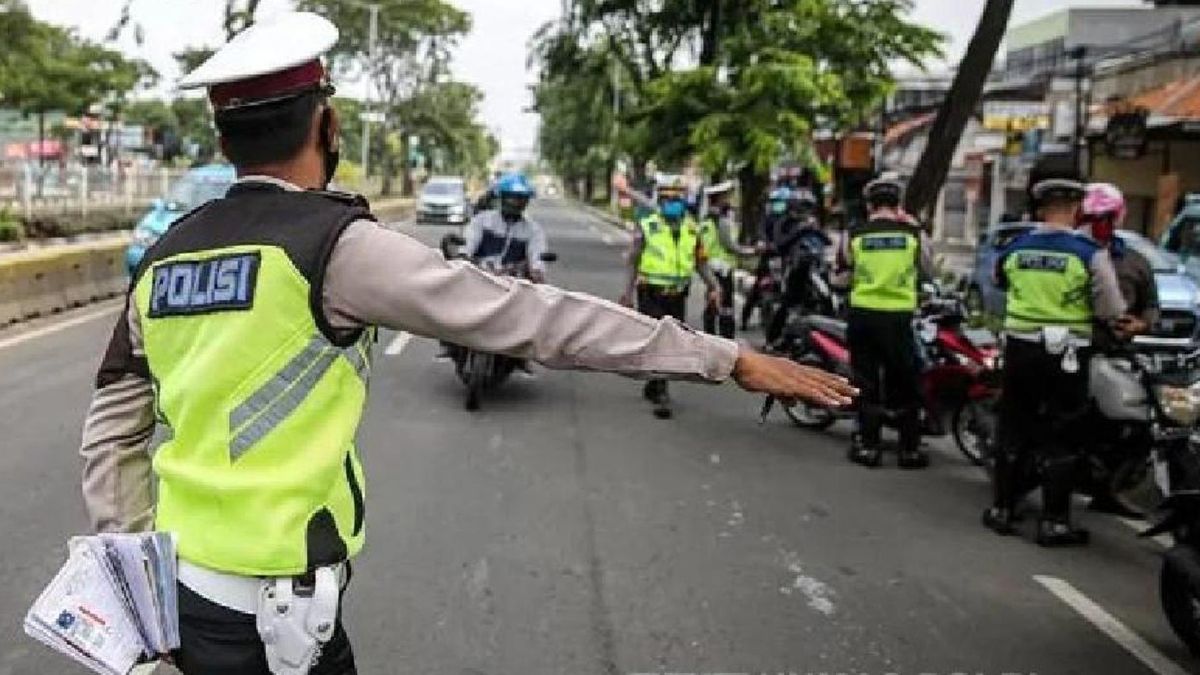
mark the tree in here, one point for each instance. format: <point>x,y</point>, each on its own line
<point>47,68</point>
<point>411,56</point>
<point>957,108</point>
<point>767,73</point>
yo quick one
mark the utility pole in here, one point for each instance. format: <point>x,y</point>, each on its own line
<point>367,117</point>
<point>616,106</point>
<point>1078,54</point>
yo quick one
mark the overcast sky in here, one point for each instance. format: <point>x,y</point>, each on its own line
<point>493,56</point>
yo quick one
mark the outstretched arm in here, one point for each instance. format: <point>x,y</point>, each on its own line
<point>558,328</point>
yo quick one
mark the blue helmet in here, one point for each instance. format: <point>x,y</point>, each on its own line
<point>514,184</point>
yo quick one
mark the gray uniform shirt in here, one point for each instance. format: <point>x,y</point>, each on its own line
<point>377,277</point>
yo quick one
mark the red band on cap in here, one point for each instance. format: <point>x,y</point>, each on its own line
<point>267,86</point>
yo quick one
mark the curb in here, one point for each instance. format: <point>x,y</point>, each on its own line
<point>47,280</point>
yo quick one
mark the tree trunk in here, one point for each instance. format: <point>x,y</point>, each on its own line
<point>589,186</point>
<point>387,173</point>
<point>954,113</point>
<point>754,192</point>
<point>710,47</point>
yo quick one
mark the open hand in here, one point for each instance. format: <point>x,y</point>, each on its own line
<point>788,381</point>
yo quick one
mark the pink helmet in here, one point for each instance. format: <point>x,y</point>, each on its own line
<point>1104,199</point>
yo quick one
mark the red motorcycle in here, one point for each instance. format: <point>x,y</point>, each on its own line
<point>959,375</point>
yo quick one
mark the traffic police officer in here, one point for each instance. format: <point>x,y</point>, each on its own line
<point>665,252</point>
<point>887,256</point>
<point>1059,284</point>
<point>719,237</point>
<point>246,336</point>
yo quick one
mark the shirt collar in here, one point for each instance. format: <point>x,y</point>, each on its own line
<point>270,180</point>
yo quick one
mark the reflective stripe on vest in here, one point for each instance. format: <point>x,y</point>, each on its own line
<point>710,238</point>
<point>260,476</point>
<point>1047,287</point>
<point>885,270</point>
<point>667,261</point>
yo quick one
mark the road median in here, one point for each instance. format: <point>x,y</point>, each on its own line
<point>47,279</point>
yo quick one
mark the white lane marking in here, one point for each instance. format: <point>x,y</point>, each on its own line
<point>1109,625</point>
<point>817,592</point>
<point>398,344</point>
<point>59,326</point>
<point>1139,526</point>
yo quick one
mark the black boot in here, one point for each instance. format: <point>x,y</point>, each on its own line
<point>662,406</point>
<point>648,391</point>
<point>913,458</point>
<point>869,455</point>
<point>999,520</point>
<point>1057,531</point>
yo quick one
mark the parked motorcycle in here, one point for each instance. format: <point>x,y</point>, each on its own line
<point>1120,427</point>
<point>481,371</point>
<point>1170,403</point>
<point>958,365</point>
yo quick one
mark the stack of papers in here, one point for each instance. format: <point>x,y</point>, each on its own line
<point>112,604</point>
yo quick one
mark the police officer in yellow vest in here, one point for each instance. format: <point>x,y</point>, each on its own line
<point>1059,284</point>
<point>887,255</point>
<point>719,237</point>
<point>246,338</point>
<point>665,253</point>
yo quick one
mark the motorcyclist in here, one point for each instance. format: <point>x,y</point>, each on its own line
<point>800,242</point>
<point>1103,212</point>
<point>665,252</point>
<point>501,238</point>
<point>887,256</point>
<point>776,210</point>
<point>1057,282</point>
<point>719,234</point>
<point>504,237</point>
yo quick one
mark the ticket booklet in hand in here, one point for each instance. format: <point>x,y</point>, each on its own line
<point>112,604</point>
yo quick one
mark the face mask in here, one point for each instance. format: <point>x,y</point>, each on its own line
<point>330,155</point>
<point>512,209</point>
<point>1101,229</point>
<point>778,207</point>
<point>673,209</point>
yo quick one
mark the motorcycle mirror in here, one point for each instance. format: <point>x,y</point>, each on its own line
<point>549,257</point>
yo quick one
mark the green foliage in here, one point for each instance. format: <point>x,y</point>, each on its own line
<point>45,67</point>
<point>409,72</point>
<point>769,73</point>
<point>11,228</point>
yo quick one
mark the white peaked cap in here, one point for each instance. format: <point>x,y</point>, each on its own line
<point>273,45</point>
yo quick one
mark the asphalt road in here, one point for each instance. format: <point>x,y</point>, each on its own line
<point>564,530</point>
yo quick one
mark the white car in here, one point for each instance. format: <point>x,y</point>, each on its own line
<point>444,200</point>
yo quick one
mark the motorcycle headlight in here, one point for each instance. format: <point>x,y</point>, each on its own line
<point>1180,404</point>
<point>144,237</point>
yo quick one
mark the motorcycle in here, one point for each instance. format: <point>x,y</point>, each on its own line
<point>959,366</point>
<point>1121,428</point>
<point>481,371</point>
<point>1169,401</point>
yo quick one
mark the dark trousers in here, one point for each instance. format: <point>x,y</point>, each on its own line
<point>215,640</point>
<point>657,302</point>
<point>719,320</point>
<point>1042,410</point>
<point>754,297</point>
<point>883,357</point>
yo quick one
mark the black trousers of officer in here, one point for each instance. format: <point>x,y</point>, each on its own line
<point>719,320</point>
<point>754,297</point>
<point>216,640</point>
<point>1042,409</point>
<point>883,357</point>
<point>657,302</point>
